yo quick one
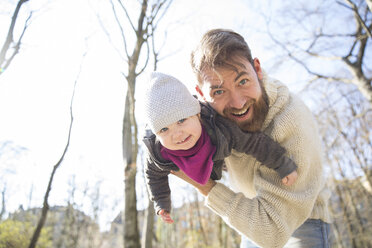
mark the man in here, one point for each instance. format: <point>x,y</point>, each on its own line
<point>261,207</point>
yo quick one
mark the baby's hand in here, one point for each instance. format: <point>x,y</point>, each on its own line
<point>165,216</point>
<point>290,179</point>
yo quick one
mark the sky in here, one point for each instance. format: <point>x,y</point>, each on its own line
<point>36,90</point>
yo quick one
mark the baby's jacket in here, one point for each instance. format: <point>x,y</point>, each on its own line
<point>225,135</point>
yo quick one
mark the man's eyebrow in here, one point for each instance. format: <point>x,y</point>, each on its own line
<point>212,87</point>
<point>218,86</point>
<point>240,74</point>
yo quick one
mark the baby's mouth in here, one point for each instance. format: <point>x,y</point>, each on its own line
<point>184,140</point>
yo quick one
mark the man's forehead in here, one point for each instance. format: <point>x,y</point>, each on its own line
<point>213,77</point>
<point>219,77</point>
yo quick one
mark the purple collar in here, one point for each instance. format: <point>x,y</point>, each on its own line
<point>197,161</point>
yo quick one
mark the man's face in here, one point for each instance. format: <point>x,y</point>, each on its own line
<point>237,96</point>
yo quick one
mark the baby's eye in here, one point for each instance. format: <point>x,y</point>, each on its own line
<point>243,82</point>
<point>182,120</point>
<point>163,130</point>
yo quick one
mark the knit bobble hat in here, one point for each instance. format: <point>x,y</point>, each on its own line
<point>167,101</point>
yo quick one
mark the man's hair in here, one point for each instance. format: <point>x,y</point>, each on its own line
<point>219,48</point>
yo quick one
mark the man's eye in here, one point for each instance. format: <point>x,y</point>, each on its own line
<point>182,121</point>
<point>163,130</point>
<point>243,82</point>
<point>217,92</point>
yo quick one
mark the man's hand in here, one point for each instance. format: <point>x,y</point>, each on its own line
<point>290,179</point>
<point>203,189</point>
<point>165,216</point>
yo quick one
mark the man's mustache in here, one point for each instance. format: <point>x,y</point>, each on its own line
<point>228,111</point>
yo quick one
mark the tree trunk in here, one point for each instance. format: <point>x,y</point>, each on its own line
<point>2,211</point>
<point>131,234</point>
<point>200,219</point>
<point>45,208</point>
<point>148,233</point>
<point>130,143</point>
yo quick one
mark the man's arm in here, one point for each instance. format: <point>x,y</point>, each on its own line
<point>203,189</point>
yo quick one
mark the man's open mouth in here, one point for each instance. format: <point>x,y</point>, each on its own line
<point>241,112</point>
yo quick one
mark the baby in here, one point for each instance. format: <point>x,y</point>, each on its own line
<point>189,135</point>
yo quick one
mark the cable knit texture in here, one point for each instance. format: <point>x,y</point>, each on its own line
<point>260,206</point>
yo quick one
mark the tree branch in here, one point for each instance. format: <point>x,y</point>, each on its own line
<point>17,46</point>
<point>354,8</point>
<point>140,31</point>
<point>162,14</point>
<point>294,58</point>
<point>109,38</point>
<point>147,58</point>
<point>121,28</point>
<point>9,37</point>
<point>126,14</point>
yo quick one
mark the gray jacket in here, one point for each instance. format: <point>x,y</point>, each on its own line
<point>225,135</point>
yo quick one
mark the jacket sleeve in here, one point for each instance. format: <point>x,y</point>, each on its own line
<point>259,145</point>
<point>158,186</point>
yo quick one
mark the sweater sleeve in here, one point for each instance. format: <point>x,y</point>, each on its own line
<point>276,210</point>
<point>259,145</point>
<point>158,186</point>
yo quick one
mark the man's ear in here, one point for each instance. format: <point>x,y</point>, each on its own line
<point>257,67</point>
<point>197,88</point>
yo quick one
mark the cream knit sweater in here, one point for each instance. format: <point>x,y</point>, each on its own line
<point>261,207</point>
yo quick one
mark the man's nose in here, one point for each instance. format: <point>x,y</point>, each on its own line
<point>236,100</point>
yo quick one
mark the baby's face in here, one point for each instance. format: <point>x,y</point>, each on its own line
<point>181,135</point>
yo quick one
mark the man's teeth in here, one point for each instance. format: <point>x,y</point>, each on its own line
<point>241,112</point>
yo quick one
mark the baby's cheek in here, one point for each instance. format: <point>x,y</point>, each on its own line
<point>166,143</point>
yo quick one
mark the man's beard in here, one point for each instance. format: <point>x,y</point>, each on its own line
<point>260,110</point>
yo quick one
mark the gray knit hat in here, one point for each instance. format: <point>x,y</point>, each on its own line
<point>167,101</point>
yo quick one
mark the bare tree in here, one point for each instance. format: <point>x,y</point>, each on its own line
<point>148,222</point>
<point>319,40</point>
<point>348,150</point>
<point>329,42</point>
<point>8,153</point>
<point>73,228</point>
<point>200,219</point>
<point>337,75</point>
<point>45,207</point>
<point>150,13</point>
<point>148,227</point>
<point>3,209</point>
<point>11,45</point>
